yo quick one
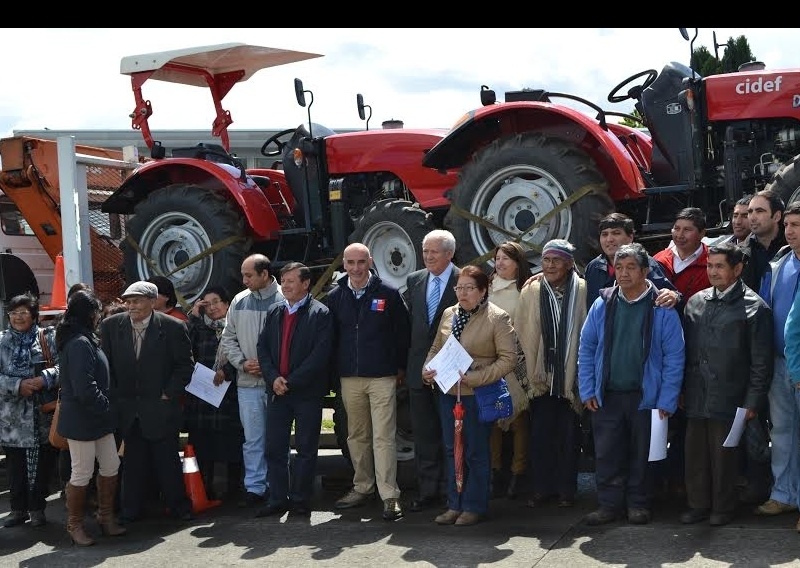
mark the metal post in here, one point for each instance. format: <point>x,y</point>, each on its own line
<point>74,215</point>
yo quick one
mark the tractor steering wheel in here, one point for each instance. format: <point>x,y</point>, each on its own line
<point>635,91</point>
<point>275,139</point>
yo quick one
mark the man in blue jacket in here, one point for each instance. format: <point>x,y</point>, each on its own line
<point>621,381</point>
<point>294,351</point>
<point>779,289</point>
<point>372,334</point>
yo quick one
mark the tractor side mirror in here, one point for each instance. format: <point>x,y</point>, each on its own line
<point>488,96</point>
<point>360,105</point>
<point>361,109</point>
<point>299,93</point>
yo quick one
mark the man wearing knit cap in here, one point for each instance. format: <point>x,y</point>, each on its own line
<point>550,314</point>
<point>150,362</point>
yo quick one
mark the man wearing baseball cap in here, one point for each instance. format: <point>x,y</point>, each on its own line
<point>150,360</point>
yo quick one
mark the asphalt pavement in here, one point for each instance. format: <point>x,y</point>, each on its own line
<point>514,535</point>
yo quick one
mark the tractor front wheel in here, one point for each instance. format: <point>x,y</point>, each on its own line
<point>510,191</point>
<point>393,230</point>
<point>177,223</point>
<point>786,181</point>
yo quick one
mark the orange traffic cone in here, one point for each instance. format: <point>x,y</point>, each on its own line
<point>194,482</point>
<point>58,298</point>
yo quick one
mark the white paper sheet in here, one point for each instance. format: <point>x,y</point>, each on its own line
<point>736,429</point>
<point>450,359</point>
<point>202,385</point>
<point>658,436</point>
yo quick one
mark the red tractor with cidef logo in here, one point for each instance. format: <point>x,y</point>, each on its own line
<point>194,213</point>
<point>531,169</point>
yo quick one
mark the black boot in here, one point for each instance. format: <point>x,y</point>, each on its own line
<point>234,480</point>
<point>499,486</point>
<point>514,485</point>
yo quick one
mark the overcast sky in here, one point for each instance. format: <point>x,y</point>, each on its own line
<point>70,78</point>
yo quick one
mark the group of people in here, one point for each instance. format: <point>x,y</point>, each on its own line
<point>692,335</point>
<point>689,336</point>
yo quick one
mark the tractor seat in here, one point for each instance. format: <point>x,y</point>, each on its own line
<point>262,181</point>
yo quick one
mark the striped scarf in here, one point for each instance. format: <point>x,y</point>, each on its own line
<point>557,322</point>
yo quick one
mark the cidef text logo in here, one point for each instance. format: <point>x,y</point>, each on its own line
<point>759,86</point>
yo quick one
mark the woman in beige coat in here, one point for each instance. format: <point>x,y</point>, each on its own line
<point>511,270</point>
<point>485,332</point>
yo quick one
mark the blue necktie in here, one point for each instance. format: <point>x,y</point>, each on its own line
<point>433,299</point>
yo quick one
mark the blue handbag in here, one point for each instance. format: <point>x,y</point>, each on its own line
<point>493,401</point>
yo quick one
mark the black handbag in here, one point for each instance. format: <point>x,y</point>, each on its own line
<point>46,399</point>
<point>493,401</point>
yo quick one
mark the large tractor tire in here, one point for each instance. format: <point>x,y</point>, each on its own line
<point>393,230</point>
<point>179,222</point>
<point>513,183</point>
<point>786,181</point>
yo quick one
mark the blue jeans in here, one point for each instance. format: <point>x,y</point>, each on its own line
<point>784,413</point>
<point>477,456</point>
<point>253,413</point>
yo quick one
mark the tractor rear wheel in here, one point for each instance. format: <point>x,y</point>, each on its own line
<point>786,181</point>
<point>177,223</point>
<point>513,183</point>
<point>393,230</point>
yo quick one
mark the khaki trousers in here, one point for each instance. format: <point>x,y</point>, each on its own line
<point>371,407</point>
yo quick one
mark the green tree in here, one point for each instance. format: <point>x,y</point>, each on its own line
<point>737,52</point>
<point>632,123</point>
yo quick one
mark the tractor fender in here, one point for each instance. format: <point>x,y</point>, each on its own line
<point>480,127</point>
<point>251,201</point>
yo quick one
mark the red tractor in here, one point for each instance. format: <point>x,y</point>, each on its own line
<point>197,212</point>
<point>532,169</point>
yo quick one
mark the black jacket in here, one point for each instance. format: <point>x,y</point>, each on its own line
<point>372,332</point>
<point>309,351</point>
<point>138,386</point>
<point>86,413</point>
<point>758,258</point>
<point>423,333</point>
<point>729,353</point>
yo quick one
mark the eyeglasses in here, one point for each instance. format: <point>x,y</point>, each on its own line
<point>19,313</point>
<point>464,288</point>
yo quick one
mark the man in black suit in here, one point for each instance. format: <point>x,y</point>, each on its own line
<point>428,292</point>
<point>150,359</point>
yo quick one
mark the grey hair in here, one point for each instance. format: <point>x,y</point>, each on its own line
<point>443,236</point>
<point>635,251</point>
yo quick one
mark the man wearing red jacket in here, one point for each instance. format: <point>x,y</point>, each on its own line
<point>685,264</point>
<point>684,260</point>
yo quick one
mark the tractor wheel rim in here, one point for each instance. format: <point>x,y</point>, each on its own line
<point>393,252</point>
<point>170,240</point>
<point>515,198</point>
